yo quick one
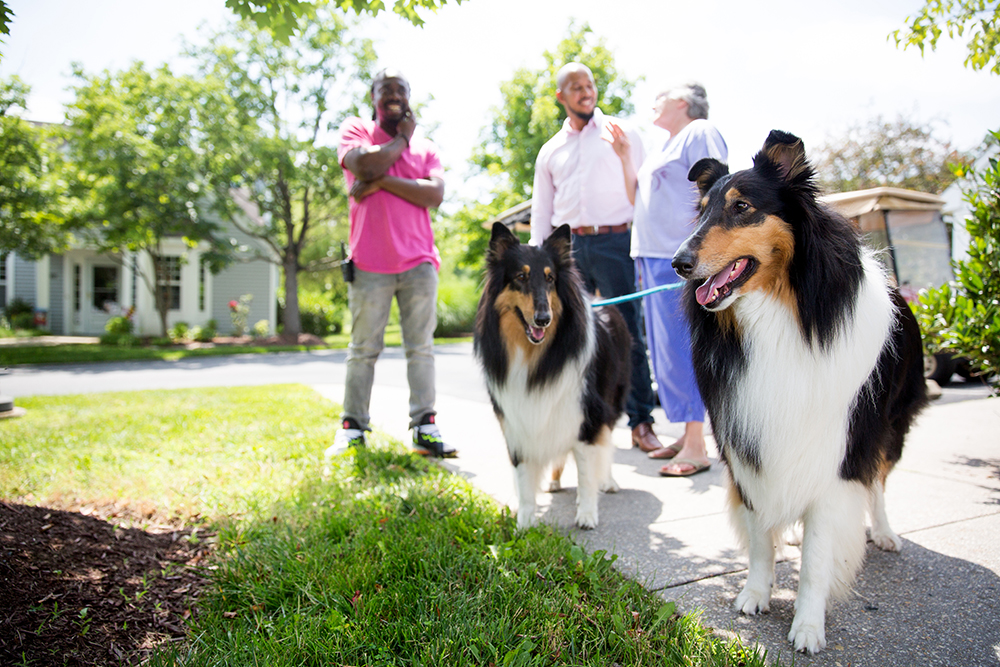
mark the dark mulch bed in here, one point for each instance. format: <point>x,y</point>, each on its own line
<point>76,589</point>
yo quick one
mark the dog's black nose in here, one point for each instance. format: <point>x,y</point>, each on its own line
<point>684,262</point>
<point>542,319</point>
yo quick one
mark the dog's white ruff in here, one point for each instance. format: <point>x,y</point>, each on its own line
<point>797,400</point>
<point>541,427</point>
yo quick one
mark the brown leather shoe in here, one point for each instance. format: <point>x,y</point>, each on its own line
<point>644,438</point>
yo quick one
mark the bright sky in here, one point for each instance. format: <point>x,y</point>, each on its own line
<point>808,68</point>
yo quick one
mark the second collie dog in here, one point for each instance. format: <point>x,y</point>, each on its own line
<point>557,370</point>
<point>810,367</point>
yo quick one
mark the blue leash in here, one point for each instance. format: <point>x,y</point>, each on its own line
<point>635,295</point>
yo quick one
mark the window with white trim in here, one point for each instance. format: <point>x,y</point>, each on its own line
<point>169,281</point>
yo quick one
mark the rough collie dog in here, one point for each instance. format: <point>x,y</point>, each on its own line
<point>557,370</point>
<point>810,367</point>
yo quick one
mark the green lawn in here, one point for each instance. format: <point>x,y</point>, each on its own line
<point>384,558</point>
<point>11,355</point>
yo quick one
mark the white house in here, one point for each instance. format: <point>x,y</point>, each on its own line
<point>75,293</point>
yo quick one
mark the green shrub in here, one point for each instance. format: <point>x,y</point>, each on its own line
<point>261,329</point>
<point>204,333</point>
<point>19,306</point>
<point>318,315</point>
<point>23,321</point>
<point>180,331</point>
<point>119,333</point>
<point>963,317</point>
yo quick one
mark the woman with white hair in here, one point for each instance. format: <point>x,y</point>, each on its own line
<point>665,210</point>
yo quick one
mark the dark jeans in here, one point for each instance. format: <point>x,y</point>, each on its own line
<point>604,261</point>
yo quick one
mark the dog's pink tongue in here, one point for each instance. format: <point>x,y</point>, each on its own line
<point>706,293</point>
<point>537,333</point>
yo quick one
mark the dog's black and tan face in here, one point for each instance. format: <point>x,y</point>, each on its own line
<point>527,302</point>
<point>743,240</point>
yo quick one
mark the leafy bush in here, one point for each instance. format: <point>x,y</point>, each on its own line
<point>119,332</point>
<point>963,317</point>
<point>318,315</point>
<point>180,331</point>
<point>19,306</point>
<point>23,321</point>
<point>261,329</point>
<point>204,333</point>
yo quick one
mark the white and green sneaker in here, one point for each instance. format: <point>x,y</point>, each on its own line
<point>427,440</point>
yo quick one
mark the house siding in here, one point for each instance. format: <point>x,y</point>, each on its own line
<point>24,280</point>
<point>57,316</point>
<point>255,278</point>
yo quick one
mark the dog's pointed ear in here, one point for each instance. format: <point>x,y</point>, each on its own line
<point>560,244</point>
<point>706,172</point>
<point>501,240</point>
<point>787,153</point>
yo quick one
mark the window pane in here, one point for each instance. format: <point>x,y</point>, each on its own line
<point>105,286</point>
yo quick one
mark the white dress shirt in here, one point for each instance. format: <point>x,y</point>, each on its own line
<point>579,179</point>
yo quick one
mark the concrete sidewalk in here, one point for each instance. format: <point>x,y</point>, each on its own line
<point>935,603</point>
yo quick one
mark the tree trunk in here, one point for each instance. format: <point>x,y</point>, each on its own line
<point>292,320</point>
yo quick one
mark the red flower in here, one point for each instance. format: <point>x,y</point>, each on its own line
<point>233,304</point>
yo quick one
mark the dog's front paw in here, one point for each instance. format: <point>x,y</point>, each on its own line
<point>586,519</point>
<point>887,541</point>
<point>610,486</point>
<point>807,637</point>
<point>751,601</point>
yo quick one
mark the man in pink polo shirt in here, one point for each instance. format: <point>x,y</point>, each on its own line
<point>394,177</point>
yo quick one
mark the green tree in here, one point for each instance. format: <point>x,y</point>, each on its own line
<point>530,114</point>
<point>977,19</point>
<point>133,137</point>
<point>528,117</point>
<point>32,208</point>
<point>281,17</point>
<point>267,127</point>
<point>963,317</point>
<point>903,153</point>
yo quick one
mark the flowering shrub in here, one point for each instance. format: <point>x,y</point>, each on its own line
<point>239,311</point>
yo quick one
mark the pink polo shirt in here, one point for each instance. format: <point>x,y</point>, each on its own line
<point>388,233</point>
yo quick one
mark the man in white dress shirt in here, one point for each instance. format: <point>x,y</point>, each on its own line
<point>582,181</point>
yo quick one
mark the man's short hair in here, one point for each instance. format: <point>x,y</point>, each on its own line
<point>389,73</point>
<point>694,94</point>
<point>570,68</point>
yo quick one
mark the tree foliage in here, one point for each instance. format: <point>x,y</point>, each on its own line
<point>979,20</point>
<point>134,141</point>
<point>267,132</point>
<point>529,116</point>
<point>281,17</point>
<point>903,153</point>
<point>31,207</point>
<point>964,316</point>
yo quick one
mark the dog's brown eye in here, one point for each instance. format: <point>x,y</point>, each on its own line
<point>521,277</point>
<point>549,278</point>
<point>741,206</point>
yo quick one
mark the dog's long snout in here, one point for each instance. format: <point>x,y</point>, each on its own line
<point>684,262</point>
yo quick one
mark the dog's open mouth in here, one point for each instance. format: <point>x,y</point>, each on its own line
<point>535,334</point>
<point>722,284</point>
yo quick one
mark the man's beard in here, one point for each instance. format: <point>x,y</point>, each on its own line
<point>585,117</point>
